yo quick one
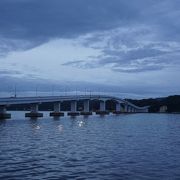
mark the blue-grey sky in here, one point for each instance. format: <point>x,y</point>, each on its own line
<point>128,48</point>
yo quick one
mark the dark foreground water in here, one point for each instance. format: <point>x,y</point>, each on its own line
<point>138,146</point>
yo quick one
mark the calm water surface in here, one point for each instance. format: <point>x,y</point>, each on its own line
<point>138,146</point>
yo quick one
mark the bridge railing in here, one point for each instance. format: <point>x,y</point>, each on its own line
<point>42,99</point>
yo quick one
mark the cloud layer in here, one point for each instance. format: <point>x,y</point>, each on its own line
<point>130,50</point>
<point>132,42</point>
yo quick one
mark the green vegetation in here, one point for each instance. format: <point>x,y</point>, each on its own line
<point>172,103</point>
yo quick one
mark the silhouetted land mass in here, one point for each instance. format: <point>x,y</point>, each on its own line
<point>172,103</point>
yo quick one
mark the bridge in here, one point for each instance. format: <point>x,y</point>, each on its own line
<point>122,106</point>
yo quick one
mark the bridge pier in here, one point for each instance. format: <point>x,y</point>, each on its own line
<point>73,109</point>
<point>118,109</point>
<point>3,113</point>
<point>34,112</point>
<point>125,108</point>
<point>86,110</point>
<point>129,109</point>
<point>132,109</point>
<point>102,110</point>
<point>57,110</point>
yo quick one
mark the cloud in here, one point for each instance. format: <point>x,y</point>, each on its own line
<point>28,86</point>
<point>8,45</point>
<point>6,72</point>
<point>130,50</point>
<point>26,24</point>
<point>44,19</point>
<point>85,41</point>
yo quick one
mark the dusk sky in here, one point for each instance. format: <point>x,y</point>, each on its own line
<point>126,48</point>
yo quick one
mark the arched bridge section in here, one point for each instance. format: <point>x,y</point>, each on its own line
<point>122,106</point>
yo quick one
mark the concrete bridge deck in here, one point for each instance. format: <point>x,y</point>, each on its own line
<point>121,104</point>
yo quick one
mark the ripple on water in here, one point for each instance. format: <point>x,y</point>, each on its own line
<point>139,146</point>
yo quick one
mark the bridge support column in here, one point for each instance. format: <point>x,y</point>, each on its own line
<point>125,108</point>
<point>57,110</point>
<point>34,112</point>
<point>86,110</point>
<point>132,109</point>
<point>73,109</point>
<point>102,110</point>
<point>118,108</point>
<point>3,113</point>
<point>102,106</point>
<point>129,109</point>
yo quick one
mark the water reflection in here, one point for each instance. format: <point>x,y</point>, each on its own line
<point>86,116</point>
<point>33,118</point>
<point>56,118</point>
<point>117,147</point>
<point>34,122</point>
<point>61,128</point>
<point>78,122</point>
<point>2,122</point>
<point>81,123</point>
<point>36,127</point>
<point>73,117</point>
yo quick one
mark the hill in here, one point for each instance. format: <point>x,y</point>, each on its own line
<point>172,103</point>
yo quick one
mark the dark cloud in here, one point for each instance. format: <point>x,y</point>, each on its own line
<point>38,21</point>
<point>8,45</point>
<point>44,19</point>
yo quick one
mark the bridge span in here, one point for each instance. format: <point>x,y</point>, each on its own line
<point>122,106</point>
